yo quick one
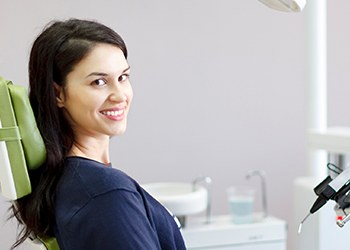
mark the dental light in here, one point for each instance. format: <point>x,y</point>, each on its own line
<point>285,5</point>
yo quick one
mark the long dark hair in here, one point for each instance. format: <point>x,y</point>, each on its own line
<point>55,52</point>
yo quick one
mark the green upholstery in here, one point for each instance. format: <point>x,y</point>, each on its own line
<point>50,243</point>
<point>33,145</point>
<point>21,145</point>
<point>42,244</point>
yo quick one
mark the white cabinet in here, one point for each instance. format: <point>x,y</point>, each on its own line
<point>258,246</point>
<point>264,234</point>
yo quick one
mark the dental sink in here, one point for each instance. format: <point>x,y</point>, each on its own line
<point>181,199</point>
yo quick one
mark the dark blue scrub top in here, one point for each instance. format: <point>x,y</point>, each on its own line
<point>99,207</point>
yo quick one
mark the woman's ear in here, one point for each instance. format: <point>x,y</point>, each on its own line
<point>59,95</point>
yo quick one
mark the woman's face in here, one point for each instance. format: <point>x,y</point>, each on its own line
<point>98,94</point>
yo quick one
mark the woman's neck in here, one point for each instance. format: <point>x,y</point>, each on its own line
<point>92,149</point>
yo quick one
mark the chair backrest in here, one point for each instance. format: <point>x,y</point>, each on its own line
<point>21,145</point>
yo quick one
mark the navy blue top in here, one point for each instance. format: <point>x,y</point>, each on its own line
<point>99,207</point>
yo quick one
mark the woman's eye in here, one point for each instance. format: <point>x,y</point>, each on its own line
<point>123,77</point>
<point>99,82</point>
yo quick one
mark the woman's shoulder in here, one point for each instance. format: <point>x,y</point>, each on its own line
<point>93,178</point>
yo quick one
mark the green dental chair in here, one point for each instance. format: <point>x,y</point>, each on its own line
<point>21,149</point>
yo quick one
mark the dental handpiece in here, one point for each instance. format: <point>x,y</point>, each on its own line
<point>302,222</point>
<point>327,190</point>
<point>320,201</point>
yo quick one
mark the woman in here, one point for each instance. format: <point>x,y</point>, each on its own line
<point>81,94</point>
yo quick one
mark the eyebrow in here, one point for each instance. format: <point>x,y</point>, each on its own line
<point>104,74</point>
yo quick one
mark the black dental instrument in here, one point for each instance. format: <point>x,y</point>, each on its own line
<point>336,189</point>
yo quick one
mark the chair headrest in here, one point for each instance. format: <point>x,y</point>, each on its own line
<point>21,145</point>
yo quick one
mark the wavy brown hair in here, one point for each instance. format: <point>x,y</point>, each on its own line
<point>55,52</point>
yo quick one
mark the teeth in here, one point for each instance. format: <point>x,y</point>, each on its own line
<point>112,113</point>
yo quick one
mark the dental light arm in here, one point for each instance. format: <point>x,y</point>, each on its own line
<point>285,5</point>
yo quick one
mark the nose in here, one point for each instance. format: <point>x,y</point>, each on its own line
<point>117,94</point>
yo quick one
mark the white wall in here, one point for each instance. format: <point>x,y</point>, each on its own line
<point>338,62</point>
<point>219,88</point>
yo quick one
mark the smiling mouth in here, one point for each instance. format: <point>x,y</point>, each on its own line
<point>113,113</point>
